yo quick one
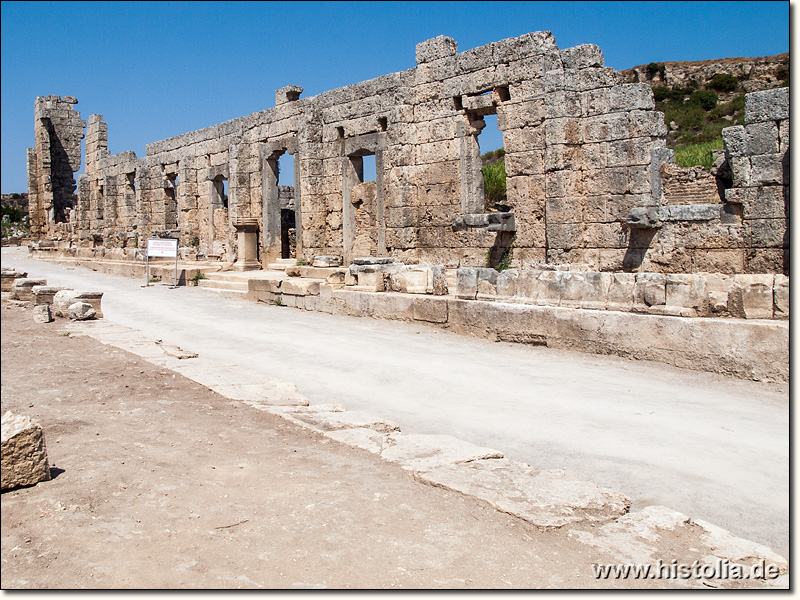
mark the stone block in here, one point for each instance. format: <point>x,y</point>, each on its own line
<point>487,284</point>
<point>8,277</point>
<point>650,289</point>
<point>300,287</point>
<point>439,276</point>
<point>620,291</point>
<point>687,291</point>
<point>24,453</point>
<point>768,105</point>
<point>582,57</point>
<point>717,286</point>
<point>435,48</point>
<point>430,310</point>
<point>527,286</point>
<point>327,261</point>
<point>467,286</point>
<point>780,296</point>
<point>41,313</point>
<point>751,297</point>
<point>22,287</point>
<point>507,283</point>
<point>43,294</point>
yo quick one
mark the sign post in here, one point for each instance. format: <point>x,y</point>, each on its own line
<point>163,248</point>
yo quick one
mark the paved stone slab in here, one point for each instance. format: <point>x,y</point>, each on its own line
<point>639,538</point>
<point>544,498</point>
<point>328,421</point>
<point>420,452</point>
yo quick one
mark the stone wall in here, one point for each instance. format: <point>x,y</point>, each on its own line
<point>583,153</point>
<point>58,131</point>
<point>758,154</point>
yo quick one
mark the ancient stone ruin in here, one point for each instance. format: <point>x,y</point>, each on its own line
<point>588,173</point>
<point>597,214</point>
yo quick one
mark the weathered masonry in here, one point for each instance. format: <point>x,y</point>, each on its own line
<point>591,185</point>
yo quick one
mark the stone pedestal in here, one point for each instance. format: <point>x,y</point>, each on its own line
<point>247,243</point>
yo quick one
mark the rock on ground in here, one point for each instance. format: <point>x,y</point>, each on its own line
<point>81,311</point>
<point>24,455</point>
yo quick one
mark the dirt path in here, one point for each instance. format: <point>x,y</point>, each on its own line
<point>163,483</point>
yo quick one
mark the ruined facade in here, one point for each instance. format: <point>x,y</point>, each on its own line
<point>588,174</point>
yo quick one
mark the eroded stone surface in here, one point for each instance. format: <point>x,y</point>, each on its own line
<point>544,498</point>
<point>24,454</point>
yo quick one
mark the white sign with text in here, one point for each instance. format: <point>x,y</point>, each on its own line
<point>162,248</point>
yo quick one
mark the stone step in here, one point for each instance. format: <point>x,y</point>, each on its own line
<point>223,284</point>
<point>227,293</point>
<point>281,266</point>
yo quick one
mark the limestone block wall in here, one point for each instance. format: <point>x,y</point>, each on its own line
<point>58,131</point>
<point>584,153</point>
<point>758,154</point>
<point>684,295</point>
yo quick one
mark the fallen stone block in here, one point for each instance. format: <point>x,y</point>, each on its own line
<point>24,454</point>
<point>41,313</point>
<point>62,301</point>
<point>43,294</point>
<point>93,298</point>
<point>21,289</point>
<point>420,452</point>
<point>8,277</point>
<point>546,499</point>
<point>81,311</point>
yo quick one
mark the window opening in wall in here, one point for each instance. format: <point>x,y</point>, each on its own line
<point>493,166</point>
<point>171,202</point>
<point>340,132</point>
<point>383,123</point>
<point>286,199</point>
<point>131,182</point>
<point>368,172</point>
<point>286,169</point>
<point>221,188</point>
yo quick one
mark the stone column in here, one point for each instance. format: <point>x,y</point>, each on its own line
<point>247,244</point>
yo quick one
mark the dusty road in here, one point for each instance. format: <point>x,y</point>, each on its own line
<point>711,447</point>
<point>163,483</point>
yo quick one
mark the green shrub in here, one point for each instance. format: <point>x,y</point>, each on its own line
<point>728,108</point>
<point>723,82</point>
<point>494,183</point>
<point>782,72</point>
<point>661,93</point>
<point>654,69</point>
<point>494,155</point>
<point>697,155</point>
<point>705,99</point>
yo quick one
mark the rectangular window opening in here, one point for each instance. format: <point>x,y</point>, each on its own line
<point>493,167</point>
<point>286,169</point>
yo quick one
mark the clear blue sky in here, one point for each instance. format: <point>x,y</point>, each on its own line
<point>158,69</point>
